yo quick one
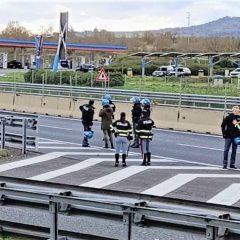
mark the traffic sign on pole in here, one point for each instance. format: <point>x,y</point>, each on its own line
<point>102,76</point>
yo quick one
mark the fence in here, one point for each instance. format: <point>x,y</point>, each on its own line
<point>132,213</point>
<point>22,138</point>
<point>172,99</point>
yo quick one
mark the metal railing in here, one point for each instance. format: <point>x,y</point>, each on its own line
<point>132,213</point>
<point>172,99</point>
<point>18,122</point>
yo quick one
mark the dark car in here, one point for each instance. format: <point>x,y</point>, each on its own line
<point>14,64</point>
<point>86,67</point>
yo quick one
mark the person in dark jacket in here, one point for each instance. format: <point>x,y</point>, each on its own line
<point>146,104</point>
<point>87,120</point>
<point>106,114</point>
<point>136,115</point>
<point>123,132</point>
<point>111,103</point>
<point>144,131</point>
<point>229,132</point>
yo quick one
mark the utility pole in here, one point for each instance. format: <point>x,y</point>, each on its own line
<point>188,18</point>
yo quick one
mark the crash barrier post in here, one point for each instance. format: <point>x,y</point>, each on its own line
<point>23,138</point>
<point>132,213</point>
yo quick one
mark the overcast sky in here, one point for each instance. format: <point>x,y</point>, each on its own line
<point>119,15</point>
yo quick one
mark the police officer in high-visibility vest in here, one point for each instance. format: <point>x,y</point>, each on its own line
<point>123,134</point>
<point>144,131</point>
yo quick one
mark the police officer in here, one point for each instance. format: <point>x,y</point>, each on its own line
<point>144,131</point>
<point>106,113</point>
<point>136,114</point>
<point>111,104</point>
<point>146,104</point>
<point>87,120</point>
<point>123,133</point>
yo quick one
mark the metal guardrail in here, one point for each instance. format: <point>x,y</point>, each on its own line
<point>173,99</point>
<point>22,138</point>
<point>132,214</point>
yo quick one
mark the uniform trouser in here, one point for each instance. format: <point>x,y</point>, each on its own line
<point>107,136</point>
<point>145,146</point>
<point>121,144</point>
<point>228,143</point>
<point>136,139</point>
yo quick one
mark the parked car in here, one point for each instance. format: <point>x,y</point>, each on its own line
<point>235,73</point>
<point>14,64</point>
<point>86,67</point>
<point>162,71</point>
<point>181,71</point>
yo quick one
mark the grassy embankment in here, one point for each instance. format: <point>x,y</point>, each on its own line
<point>187,85</point>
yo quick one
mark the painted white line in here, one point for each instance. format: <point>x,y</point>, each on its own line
<point>66,170</point>
<point>170,185</point>
<point>228,196</point>
<point>132,170</point>
<point>67,148</point>
<point>49,143</point>
<point>134,160</point>
<point>179,180</point>
<point>30,161</point>
<point>195,146</point>
<point>62,128</point>
<point>114,177</point>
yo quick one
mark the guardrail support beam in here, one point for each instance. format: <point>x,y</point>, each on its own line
<point>210,233</point>
<point>24,136</point>
<point>53,209</point>
<point>3,123</point>
<point>127,225</point>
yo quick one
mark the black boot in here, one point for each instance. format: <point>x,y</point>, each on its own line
<point>112,147</point>
<point>148,158</point>
<point>116,159</point>
<point>106,144</point>
<point>124,160</point>
<point>144,163</point>
<point>85,143</point>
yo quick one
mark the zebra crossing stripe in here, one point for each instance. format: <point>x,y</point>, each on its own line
<point>179,180</point>
<point>228,196</point>
<point>66,170</point>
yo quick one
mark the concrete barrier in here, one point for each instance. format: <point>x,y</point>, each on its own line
<point>187,119</point>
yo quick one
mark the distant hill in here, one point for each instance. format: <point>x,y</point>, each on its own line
<point>222,27</point>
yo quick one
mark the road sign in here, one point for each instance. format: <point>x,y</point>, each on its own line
<point>102,76</point>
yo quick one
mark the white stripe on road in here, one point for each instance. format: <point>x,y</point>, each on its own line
<point>67,148</point>
<point>48,126</point>
<point>228,196</point>
<point>30,161</point>
<point>132,170</point>
<point>60,143</point>
<point>114,177</point>
<point>195,146</point>
<point>180,180</point>
<point>66,170</point>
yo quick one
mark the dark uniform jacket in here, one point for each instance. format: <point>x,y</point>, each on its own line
<point>228,128</point>
<point>107,115</point>
<point>144,128</point>
<point>87,114</point>
<point>122,128</point>
<point>136,112</point>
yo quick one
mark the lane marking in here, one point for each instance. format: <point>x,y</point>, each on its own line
<point>51,143</point>
<point>195,146</point>
<point>66,170</point>
<point>179,180</point>
<point>67,148</point>
<point>114,177</point>
<point>132,170</point>
<point>48,126</point>
<point>228,196</point>
<point>30,161</point>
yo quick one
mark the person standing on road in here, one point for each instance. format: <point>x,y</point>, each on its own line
<point>123,133</point>
<point>106,113</point>
<point>87,121</point>
<point>136,115</point>
<point>144,131</point>
<point>146,104</point>
<point>229,132</point>
<point>111,103</point>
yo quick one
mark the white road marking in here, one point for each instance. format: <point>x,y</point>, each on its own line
<point>132,170</point>
<point>181,179</point>
<point>60,143</point>
<point>30,161</point>
<point>66,170</point>
<point>113,177</point>
<point>67,148</point>
<point>195,146</point>
<point>228,196</point>
<point>48,126</point>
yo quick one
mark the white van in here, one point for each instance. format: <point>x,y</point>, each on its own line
<point>162,71</point>
<point>181,71</point>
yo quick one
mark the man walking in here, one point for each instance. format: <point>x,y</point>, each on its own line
<point>229,132</point>
<point>87,121</point>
